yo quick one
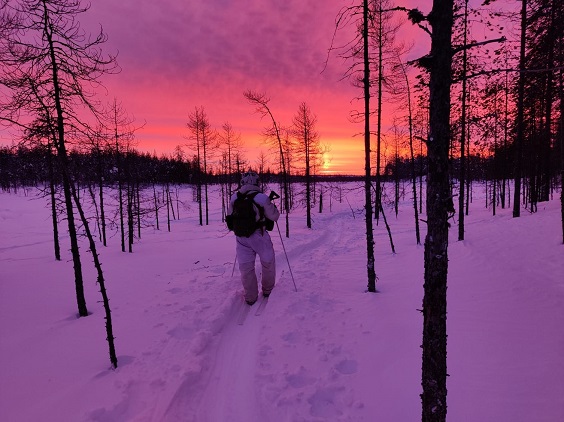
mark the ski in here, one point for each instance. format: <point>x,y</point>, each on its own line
<point>243,315</point>
<point>261,306</point>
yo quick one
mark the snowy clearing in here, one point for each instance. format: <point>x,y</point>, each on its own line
<point>329,352</point>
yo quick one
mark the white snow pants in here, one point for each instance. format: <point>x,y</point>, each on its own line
<point>247,249</point>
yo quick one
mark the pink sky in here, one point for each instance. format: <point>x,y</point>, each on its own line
<point>176,55</point>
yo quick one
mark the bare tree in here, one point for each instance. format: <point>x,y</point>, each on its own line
<point>276,133</point>
<point>121,135</point>
<point>367,181</point>
<point>36,135</point>
<point>100,280</point>
<point>382,33</point>
<point>48,64</point>
<point>262,162</point>
<point>401,68</point>
<point>561,131</point>
<point>204,139</point>
<point>308,146</point>
<point>99,147</point>
<point>439,206</point>
<point>520,115</point>
<point>230,144</point>
<point>463,132</point>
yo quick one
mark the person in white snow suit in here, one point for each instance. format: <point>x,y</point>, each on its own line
<point>256,241</point>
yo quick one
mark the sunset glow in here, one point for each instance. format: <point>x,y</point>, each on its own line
<point>176,55</point>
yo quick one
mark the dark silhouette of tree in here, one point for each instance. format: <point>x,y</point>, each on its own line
<point>367,182</point>
<point>231,144</point>
<point>542,25</point>
<point>518,163</point>
<point>401,69</point>
<point>276,133</point>
<point>463,121</point>
<point>121,135</point>
<point>204,140</point>
<point>560,136</point>
<point>308,147</point>
<point>100,280</point>
<point>99,148</point>
<point>37,135</point>
<point>48,64</point>
<point>382,38</point>
<point>439,206</point>
<point>359,71</point>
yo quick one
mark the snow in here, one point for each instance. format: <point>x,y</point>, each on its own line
<point>328,352</point>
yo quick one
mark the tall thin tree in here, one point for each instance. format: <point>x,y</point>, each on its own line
<point>203,139</point>
<point>439,205</point>
<point>520,115</point>
<point>308,146</point>
<point>277,133</point>
<point>50,62</point>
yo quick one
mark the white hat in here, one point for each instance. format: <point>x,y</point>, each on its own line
<point>250,178</point>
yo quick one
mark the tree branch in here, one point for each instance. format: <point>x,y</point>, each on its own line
<point>476,44</point>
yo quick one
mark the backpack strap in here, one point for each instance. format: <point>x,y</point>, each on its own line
<point>252,195</point>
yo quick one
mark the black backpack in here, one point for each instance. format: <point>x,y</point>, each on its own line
<point>243,219</point>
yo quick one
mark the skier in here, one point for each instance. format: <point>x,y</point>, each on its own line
<point>253,240</point>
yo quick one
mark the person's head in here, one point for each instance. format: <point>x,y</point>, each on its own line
<point>250,178</point>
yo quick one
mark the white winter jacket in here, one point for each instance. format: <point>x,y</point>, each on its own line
<point>270,210</point>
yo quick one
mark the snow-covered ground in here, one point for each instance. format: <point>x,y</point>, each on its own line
<point>328,352</point>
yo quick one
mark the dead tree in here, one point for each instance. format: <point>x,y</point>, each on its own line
<point>359,54</point>
<point>51,63</point>
<point>275,132</point>
<point>439,206</point>
<point>203,139</point>
<point>308,147</point>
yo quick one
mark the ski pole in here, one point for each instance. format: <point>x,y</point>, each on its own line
<point>234,262</point>
<point>287,260</point>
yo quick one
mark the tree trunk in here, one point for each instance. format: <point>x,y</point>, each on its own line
<point>156,206</point>
<point>378,202</point>
<point>561,88</point>
<point>63,159</point>
<point>412,157</point>
<point>101,195</point>
<point>100,280</point>
<point>52,195</point>
<point>462,181</point>
<point>130,225</point>
<point>120,198</point>
<point>545,172</point>
<point>77,265</point>
<point>439,204</point>
<point>96,212</point>
<point>367,182</point>
<point>520,115</point>
<point>388,229</point>
<point>168,207</point>
<point>138,208</point>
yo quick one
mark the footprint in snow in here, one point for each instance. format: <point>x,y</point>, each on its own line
<point>300,379</point>
<point>347,367</point>
<point>325,402</point>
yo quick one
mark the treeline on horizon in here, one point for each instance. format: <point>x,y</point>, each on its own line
<point>28,166</point>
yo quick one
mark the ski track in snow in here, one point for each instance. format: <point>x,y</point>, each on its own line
<point>243,354</point>
<point>329,352</point>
